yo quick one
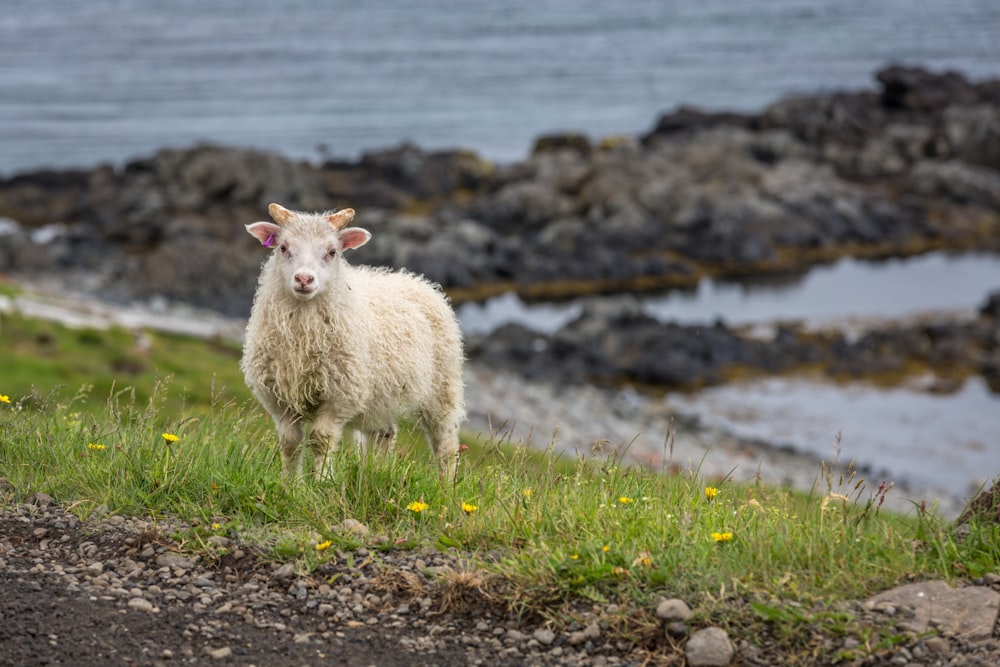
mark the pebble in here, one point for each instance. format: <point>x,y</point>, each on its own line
<point>140,604</point>
<point>544,636</point>
<point>673,609</point>
<point>220,653</point>
<point>709,647</point>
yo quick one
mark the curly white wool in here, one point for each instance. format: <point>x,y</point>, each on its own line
<point>348,346</point>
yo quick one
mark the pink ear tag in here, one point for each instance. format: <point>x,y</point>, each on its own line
<point>269,242</point>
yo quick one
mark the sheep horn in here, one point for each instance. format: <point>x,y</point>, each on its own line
<point>341,218</point>
<point>280,214</point>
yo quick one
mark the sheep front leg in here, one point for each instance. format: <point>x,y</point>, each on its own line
<point>289,441</point>
<point>323,439</point>
<point>444,441</point>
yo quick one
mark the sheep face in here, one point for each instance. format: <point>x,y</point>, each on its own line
<point>308,247</point>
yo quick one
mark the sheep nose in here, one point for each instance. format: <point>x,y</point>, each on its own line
<point>305,279</point>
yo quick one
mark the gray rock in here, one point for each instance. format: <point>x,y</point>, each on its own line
<point>969,612</point>
<point>709,647</point>
<point>286,571</point>
<point>220,653</point>
<point>171,559</point>
<point>544,636</point>
<point>354,527</point>
<point>673,610</point>
<point>141,604</point>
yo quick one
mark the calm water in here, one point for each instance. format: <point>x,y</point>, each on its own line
<point>943,443</point>
<point>840,293</point>
<point>106,80</point>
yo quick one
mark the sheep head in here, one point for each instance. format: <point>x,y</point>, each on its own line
<point>309,246</point>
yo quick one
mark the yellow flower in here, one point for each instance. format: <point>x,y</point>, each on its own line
<point>575,557</point>
<point>643,559</point>
<point>170,437</point>
<point>722,537</point>
<point>605,548</point>
<point>469,508</point>
<point>417,506</point>
<point>711,492</point>
<point>4,398</point>
<point>95,446</point>
<point>625,500</point>
<point>323,546</point>
<point>527,493</point>
<point>216,526</point>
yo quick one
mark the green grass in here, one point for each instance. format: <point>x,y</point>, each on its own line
<point>566,531</point>
<point>37,357</point>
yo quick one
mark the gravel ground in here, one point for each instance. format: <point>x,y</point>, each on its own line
<point>118,590</point>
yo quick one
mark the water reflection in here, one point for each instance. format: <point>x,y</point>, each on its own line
<point>931,441</point>
<point>845,290</point>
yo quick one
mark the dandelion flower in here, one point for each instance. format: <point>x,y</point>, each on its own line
<point>527,493</point>
<point>323,546</point>
<point>4,398</point>
<point>625,500</point>
<point>469,508</point>
<point>722,537</point>
<point>575,557</point>
<point>95,446</point>
<point>605,548</point>
<point>216,526</point>
<point>417,506</point>
<point>711,492</point>
<point>643,559</point>
<point>170,437</point>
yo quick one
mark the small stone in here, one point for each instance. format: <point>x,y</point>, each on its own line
<point>141,604</point>
<point>544,636</point>
<point>40,499</point>
<point>514,636</point>
<point>592,631</point>
<point>709,647</point>
<point>302,638</point>
<point>286,571</point>
<point>937,644</point>
<point>94,569</point>
<point>219,541</point>
<point>673,609</point>
<point>354,527</point>
<point>171,559</point>
<point>220,653</point>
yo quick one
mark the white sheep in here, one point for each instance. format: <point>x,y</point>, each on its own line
<point>348,346</point>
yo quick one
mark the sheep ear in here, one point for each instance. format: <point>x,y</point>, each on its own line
<point>280,214</point>
<point>354,237</point>
<point>341,218</point>
<point>265,232</point>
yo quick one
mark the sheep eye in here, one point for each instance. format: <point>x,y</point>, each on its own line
<point>333,252</point>
<point>283,248</point>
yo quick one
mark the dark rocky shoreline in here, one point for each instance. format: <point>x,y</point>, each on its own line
<point>911,166</point>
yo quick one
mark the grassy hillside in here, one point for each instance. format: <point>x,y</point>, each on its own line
<point>743,555</point>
